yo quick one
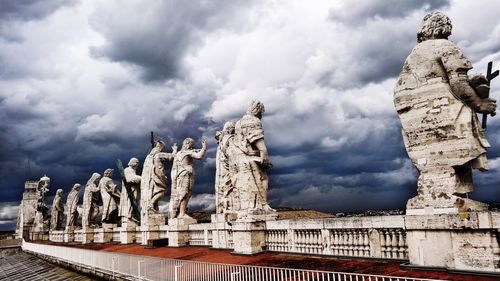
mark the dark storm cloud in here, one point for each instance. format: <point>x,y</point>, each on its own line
<point>358,12</point>
<point>331,129</point>
<point>29,9</point>
<point>156,39</point>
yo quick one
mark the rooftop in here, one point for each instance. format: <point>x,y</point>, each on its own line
<point>273,259</point>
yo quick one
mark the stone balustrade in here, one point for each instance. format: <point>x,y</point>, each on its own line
<point>376,237</point>
<point>56,235</point>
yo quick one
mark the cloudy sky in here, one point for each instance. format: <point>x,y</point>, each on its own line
<point>82,83</point>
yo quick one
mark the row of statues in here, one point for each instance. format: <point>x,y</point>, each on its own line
<point>241,183</point>
<point>437,101</point>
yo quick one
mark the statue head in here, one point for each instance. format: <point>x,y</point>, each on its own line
<point>94,179</point>
<point>188,143</point>
<point>256,108</point>
<point>133,162</point>
<point>229,127</point>
<point>44,182</point>
<point>108,173</point>
<point>435,25</point>
<point>59,192</point>
<point>76,187</point>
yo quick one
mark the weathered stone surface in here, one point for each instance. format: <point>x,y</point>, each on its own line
<point>126,211</point>
<point>28,208</point>
<point>249,237</point>
<point>90,208</point>
<point>72,205</point>
<point>41,222</point>
<point>437,104</point>
<point>466,241</point>
<point>110,198</point>
<point>154,184</point>
<point>57,213</point>
<point>183,176</point>
<point>226,197</point>
<point>242,166</point>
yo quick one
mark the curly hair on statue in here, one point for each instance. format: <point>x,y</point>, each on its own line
<point>435,25</point>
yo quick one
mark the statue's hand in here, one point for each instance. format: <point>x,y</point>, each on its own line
<point>488,106</point>
<point>204,142</point>
<point>174,147</point>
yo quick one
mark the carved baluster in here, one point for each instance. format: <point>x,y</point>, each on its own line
<point>388,243</point>
<point>335,244</point>
<point>343,242</point>
<point>394,245</point>
<point>309,241</point>
<point>401,244</point>
<point>349,251</point>
<point>283,240</point>
<point>382,243</point>
<point>366,242</point>
<point>354,243</point>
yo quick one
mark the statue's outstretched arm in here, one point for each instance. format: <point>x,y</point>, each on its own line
<point>198,155</point>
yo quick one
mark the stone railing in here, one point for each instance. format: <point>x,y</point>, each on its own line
<point>78,236</point>
<point>200,234</point>
<point>56,235</point>
<point>376,237</point>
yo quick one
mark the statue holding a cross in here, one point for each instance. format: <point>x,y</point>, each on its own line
<point>437,101</point>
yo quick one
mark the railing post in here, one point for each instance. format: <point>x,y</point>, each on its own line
<point>233,276</point>
<point>205,236</point>
<point>177,272</point>
<point>139,271</point>
<point>113,268</point>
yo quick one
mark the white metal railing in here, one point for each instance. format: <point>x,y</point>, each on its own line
<point>150,268</point>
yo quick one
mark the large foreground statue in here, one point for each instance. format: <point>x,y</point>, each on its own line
<point>183,176</point>
<point>110,198</point>
<point>437,102</point>
<point>71,205</point>
<point>126,211</point>
<point>90,208</point>
<point>154,184</point>
<point>57,212</point>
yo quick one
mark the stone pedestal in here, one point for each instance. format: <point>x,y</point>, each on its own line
<point>222,235</point>
<point>464,241</point>
<point>178,235</point>
<point>149,232</point>
<point>87,235</point>
<point>104,234</point>
<point>127,234</point>
<point>153,219</point>
<point>69,234</point>
<point>257,215</point>
<point>249,237</point>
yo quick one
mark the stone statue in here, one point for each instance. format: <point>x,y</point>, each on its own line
<point>71,205</point>
<point>56,215</point>
<point>90,208</point>
<point>183,176</point>
<point>226,200</point>
<point>126,211</point>
<point>251,160</point>
<point>154,183</point>
<point>41,215</point>
<point>110,196</point>
<point>437,104</point>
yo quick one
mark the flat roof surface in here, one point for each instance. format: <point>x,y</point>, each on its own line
<point>274,259</point>
<point>22,266</point>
